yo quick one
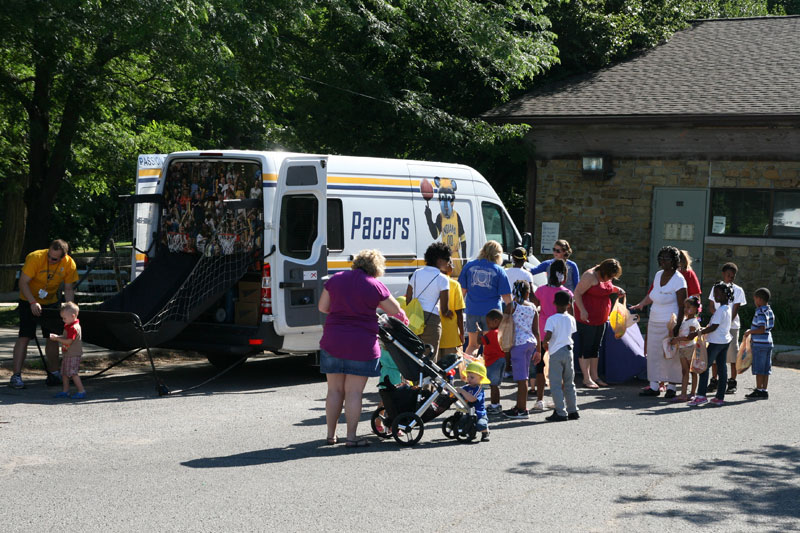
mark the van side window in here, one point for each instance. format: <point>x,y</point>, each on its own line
<point>298,225</point>
<point>498,227</point>
<point>335,225</point>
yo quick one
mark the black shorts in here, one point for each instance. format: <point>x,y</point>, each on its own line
<point>27,322</point>
<point>589,339</point>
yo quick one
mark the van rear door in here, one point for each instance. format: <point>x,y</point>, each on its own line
<point>301,257</point>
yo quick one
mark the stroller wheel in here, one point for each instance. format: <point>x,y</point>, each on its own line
<point>449,426</point>
<point>380,424</point>
<point>466,429</point>
<point>407,429</point>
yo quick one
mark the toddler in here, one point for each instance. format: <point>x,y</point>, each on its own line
<point>558,340</point>
<point>72,347</point>
<point>760,333</point>
<point>691,307</point>
<point>526,339</point>
<point>494,359</point>
<point>473,393</point>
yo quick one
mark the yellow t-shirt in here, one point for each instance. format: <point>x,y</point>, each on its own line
<point>47,275</point>
<point>450,338</point>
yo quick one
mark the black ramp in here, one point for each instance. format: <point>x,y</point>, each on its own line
<point>173,290</point>
<point>153,288</point>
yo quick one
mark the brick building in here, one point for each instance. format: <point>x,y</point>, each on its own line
<point>695,143</point>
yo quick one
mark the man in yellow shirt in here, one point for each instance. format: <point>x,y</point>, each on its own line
<point>453,326</point>
<point>43,273</point>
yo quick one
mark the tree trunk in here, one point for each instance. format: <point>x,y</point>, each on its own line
<point>13,224</point>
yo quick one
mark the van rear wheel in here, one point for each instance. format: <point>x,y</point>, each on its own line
<point>223,361</point>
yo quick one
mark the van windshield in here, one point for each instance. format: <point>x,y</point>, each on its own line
<point>194,218</point>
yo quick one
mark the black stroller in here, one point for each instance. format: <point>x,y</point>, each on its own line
<point>406,409</point>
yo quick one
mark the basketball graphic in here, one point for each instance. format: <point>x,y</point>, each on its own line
<point>426,189</point>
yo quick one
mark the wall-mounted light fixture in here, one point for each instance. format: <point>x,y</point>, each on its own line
<point>597,166</point>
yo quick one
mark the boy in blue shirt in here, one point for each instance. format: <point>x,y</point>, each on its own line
<point>761,341</point>
<point>473,393</point>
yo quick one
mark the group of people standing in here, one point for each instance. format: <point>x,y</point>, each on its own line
<point>350,350</point>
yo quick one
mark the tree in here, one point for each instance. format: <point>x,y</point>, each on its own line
<point>68,68</point>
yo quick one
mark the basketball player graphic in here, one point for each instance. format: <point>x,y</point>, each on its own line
<point>448,223</point>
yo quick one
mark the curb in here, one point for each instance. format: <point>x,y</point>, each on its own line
<point>791,358</point>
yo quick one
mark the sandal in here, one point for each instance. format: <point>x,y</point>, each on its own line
<point>330,441</point>
<point>601,383</point>
<point>360,443</point>
<point>590,385</point>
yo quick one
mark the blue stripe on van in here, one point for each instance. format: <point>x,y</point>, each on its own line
<point>372,188</point>
<point>148,180</point>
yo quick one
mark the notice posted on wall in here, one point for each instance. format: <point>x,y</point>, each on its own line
<point>718,225</point>
<point>549,236</point>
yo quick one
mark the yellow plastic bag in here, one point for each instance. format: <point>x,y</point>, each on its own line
<point>505,332</point>
<point>413,310</point>
<point>745,356</point>
<point>700,359</point>
<point>621,319</point>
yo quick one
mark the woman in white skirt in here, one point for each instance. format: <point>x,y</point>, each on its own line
<point>666,295</point>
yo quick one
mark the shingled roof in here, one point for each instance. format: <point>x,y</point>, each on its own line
<point>715,70</point>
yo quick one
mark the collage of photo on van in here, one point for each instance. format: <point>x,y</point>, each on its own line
<point>194,218</point>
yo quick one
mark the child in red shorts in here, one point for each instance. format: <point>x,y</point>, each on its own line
<point>72,348</point>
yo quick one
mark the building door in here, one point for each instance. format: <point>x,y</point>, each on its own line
<point>679,220</point>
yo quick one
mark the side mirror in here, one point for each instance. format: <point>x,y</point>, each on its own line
<point>527,242</point>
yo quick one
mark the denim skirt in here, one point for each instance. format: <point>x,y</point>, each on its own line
<point>329,364</point>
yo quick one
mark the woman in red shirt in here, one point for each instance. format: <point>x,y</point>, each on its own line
<point>592,307</point>
<point>692,283</point>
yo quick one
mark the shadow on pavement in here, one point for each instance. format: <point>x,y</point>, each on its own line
<point>763,485</point>
<point>260,376</point>
<point>317,448</point>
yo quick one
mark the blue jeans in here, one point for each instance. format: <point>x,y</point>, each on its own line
<point>717,353</point>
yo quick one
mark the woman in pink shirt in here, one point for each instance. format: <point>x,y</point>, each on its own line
<point>349,349</point>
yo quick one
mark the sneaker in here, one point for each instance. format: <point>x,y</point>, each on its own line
<point>649,392</point>
<point>731,387</point>
<point>755,395</point>
<point>16,382</point>
<point>670,394</point>
<point>716,401</point>
<point>712,385</point>
<point>78,395</point>
<point>53,379</point>
<point>555,417</point>
<point>698,400</point>
<point>573,416</point>
<point>538,406</point>
<point>514,412</point>
<point>61,394</point>
<point>494,410</point>
<point>485,437</point>
<point>765,395</point>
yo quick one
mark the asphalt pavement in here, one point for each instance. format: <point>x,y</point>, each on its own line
<point>246,453</point>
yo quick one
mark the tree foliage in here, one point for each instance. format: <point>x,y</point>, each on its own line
<point>86,85</point>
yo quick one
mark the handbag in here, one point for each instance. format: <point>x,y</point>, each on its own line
<point>669,349</point>
<point>505,332</point>
<point>415,313</point>
<point>745,356</point>
<point>700,359</point>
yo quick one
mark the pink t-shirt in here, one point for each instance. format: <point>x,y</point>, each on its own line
<point>545,295</point>
<point>351,328</point>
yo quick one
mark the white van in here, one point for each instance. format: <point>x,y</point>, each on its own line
<point>313,214</point>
